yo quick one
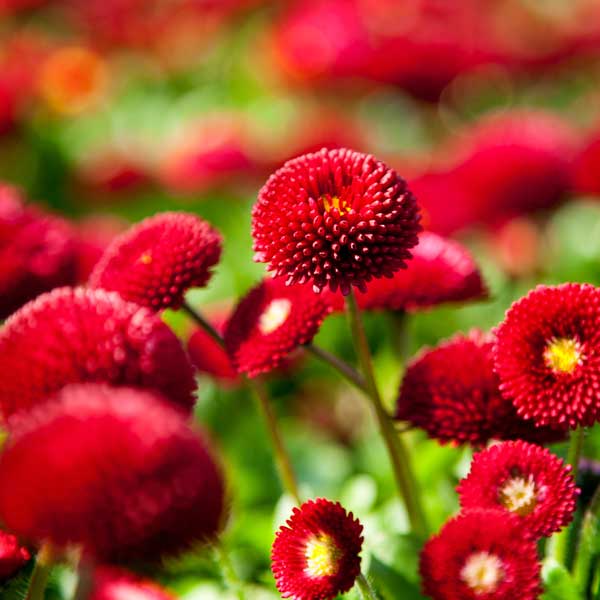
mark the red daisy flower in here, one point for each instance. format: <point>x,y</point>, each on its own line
<point>452,392</point>
<point>136,483</point>
<point>336,218</point>
<point>76,335</point>
<point>12,555</point>
<point>524,479</point>
<point>547,355</point>
<point>157,260</point>
<point>117,584</point>
<point>270,321</point>
<point>481,554</point>
<point>37,252</point>
<point>315,556</point>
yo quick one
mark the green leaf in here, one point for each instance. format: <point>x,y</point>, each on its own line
<point>390,584</point>
<point>558,583</point>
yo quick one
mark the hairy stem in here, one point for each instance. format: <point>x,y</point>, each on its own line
<point>353,376</point>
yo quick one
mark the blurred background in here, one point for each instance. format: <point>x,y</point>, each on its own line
<point>111,110</point>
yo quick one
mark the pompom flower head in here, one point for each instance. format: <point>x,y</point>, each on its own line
<point>315,556</point>
<point>117,584</point>
<point>481,554</point>
<point>452,392</point>
<point>157,260</point>
<point>75,336</point>
<point>547,355</point>
<point>335,218</point>
<point>270,321</point>
<point>136,483</point>
<point>524,479</point>
<point>13,556</point>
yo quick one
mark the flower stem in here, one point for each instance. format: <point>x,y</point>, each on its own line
<point>41,573</point>
<point>200,320</point>
<point>353,376</point>
<point>587,542</point>
<point>364,587</point>
<point>397,451</point>
<point>228,571</point>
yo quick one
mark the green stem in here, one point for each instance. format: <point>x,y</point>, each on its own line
<point>353,376</point>
<point>398,453</point>
<point>227,569</point>
<point>41,573</point>
<point>200,320</point>
<point>364,587</point>
<point>587,542</point>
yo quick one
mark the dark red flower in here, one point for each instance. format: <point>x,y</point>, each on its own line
<point>117,584</point>
<point>547,355</point>
<point>586,167</point>
<point>270,321</point>
<point>315,556</point>
<point>114,470</point>
<point>12,555</point>
<point>37,252</point>
<point>452,392</point>
<point>336,218</point>
<point>524,479</point>
<point>76,335</point>
<point>481,554</point>
<point>157,260</point>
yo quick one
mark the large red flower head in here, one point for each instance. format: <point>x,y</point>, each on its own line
<point>37,252</point>
<point>117,584</point>
<point>315,556</point>
<point>547,355</point>
<point>157,260</point>
<point>481,554</point>
<point>76,335</point>
<point>452,392</point>
<point>335,218</point>
<point>115,470</point>
<point>524,479</point>
<point>270,321</point>
<point>12,555</point>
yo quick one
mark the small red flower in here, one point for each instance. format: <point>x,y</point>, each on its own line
<point>335,218</point>
<point>452,392</point>
<point>315,556</point>
<point>270,321</point>
<point>481,554</point>
<point>114,470</point>
<point>117,584</point>
<point>157,260</point>
<point>76,335</point>
<point>12,555</point>
<point>547,355</point>
<point>523,479</point>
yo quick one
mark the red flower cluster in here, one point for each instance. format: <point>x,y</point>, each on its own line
<point>157,260</point>
<point>76,335</point>
<point>117,584</point>
<point>335,218</point>
<point>315,556</point>
<point>12,555</point>
<point>115,470</point>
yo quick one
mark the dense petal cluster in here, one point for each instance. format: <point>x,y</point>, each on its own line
<point>37,252</point>
<point>157,260</point>
<point>135,482</point>
<point>335,218</point>
<point>12,555</point>
<point>524,479</point>
<point>547,355</point>
<point>117,584</point>
<point>270,321</point>
<point>315,556</point>
<point>481,554</point>
<point>452,392</point>
<point>76,335</point>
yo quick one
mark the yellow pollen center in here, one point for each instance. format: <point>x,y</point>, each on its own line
<point>146,258</point>
<point>482,572</point>
<point>330,202</point>
<point>519,495</point>
<point>274,315</point>
<point>562,355</point>
<point>322,556</point>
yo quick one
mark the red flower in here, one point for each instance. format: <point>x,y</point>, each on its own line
<point>157,260</point>
<point>37,252</point>
<point>586,167</point>
<point>481,554</point>
<point>115,470</point>
<point>270,321</point>
<point>547,355</point>
<point>452,392</point>
<point>76,335</point>
<point>118,584</point>
<point>524,479</point>
<point>12,555</point>
<point>336,218</point>
<point>208,356</point>
<point>315,556</point>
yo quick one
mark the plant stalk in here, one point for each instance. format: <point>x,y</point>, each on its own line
<point>41,573</point>
<point>365,589</point>
<point>353,376</point>
<point>228,571</point>
<point>200,320</point>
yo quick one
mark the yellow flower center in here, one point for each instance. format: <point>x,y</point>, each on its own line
<point>322,556</point>
<point>146,258</point>
<point>562,355</point>
<point>519,495</point>
<point>274,315</point>
<point>482,572</point>
<point>330,202</point>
